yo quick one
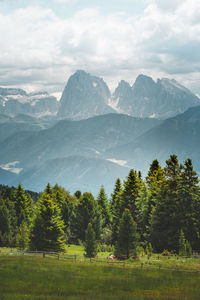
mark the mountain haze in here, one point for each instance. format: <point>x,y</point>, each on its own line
<point>91,136</point>
<point>178,135</point>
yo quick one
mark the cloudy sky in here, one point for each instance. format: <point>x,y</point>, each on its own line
<point>43,42</point>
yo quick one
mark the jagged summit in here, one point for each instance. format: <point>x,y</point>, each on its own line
<point>84,96</point>
<point>147,98</point>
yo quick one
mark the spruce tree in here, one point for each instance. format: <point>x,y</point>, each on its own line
<point>103,205</point>
<point>86,211</point>
<point>142,213</point>
<point>116,210</point>
<point>23,206</point>
<point>90,242</point>
<point>189,204</point>
<point>130,193</point>
<point>22,237</point>
<point>127,236</point>
<point>47,233</point>
<point>155,181</point>
<point>165,225</point>
<point>182,243</point>
<point>114,195</point>
<point>5,224</point>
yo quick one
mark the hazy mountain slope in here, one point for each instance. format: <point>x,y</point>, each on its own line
<point>87,137</point>
<point>178,135</point>
<point>73,173</point>
<point>12,125</point>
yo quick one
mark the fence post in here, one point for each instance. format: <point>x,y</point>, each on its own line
<point>141,265</point>
<point>75,257</point>
<point>58,256</point>
<point>43,254</point>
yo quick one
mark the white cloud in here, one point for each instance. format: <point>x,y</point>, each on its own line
<point>169,5</point>
<point>66,1</point>
<point>39,48</point>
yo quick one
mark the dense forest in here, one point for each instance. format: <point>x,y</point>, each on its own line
<point>158,213</point>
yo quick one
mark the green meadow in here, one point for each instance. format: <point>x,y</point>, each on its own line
<point>34,277</point>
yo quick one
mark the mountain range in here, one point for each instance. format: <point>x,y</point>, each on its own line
<point>91,137</point>
<point>86,96</point>
<point>17,101</point>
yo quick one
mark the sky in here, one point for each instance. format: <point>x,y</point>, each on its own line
<point>44,42</point>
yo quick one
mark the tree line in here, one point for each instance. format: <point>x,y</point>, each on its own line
<point>160,212</point>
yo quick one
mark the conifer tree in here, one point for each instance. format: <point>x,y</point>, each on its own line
<point>5,223</point>
<point>65,203</point>
<point>22,237</point>
<point>155,181</point>
<point>47,233</point>
<point>127,236</point>
<point>86,211</point>
<point>154,167</point>
<point>115,209</point>
<point>48,189</point>
<point>189,203</point>
<point>103,205</point>
<point>130,193</point>
<point>90,242</point>
<point>165,225</point>
<point>114,195</point>
<point>142,212</point>
<point>23,206</point>
<point>182,243</point>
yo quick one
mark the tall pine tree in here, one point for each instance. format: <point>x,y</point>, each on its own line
<point>127,236</point>
<point>86,211</point>
<point>165,225</point>
<point>130,193</point>
<point>103,205</point>
<point>47,233</point>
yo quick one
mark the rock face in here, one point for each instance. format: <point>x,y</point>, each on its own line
<point>84,96</point>
<point>147,98</point>
<point>17,101</point>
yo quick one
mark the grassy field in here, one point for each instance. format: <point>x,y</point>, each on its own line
<point>29,277</point>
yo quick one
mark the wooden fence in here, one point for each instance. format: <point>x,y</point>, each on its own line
<point>74,257</point>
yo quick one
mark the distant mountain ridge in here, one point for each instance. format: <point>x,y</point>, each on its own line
<point>178,135</point>
<point>15,101</point>
<point>86,96</point>
<point>91,136</point>
<point>147,98</point>
<point>81,143</point>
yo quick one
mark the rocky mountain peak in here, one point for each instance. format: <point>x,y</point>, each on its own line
<point>12,92</point>
<point>84,96</point>
<point>122,88</point>
<point>144,84</point>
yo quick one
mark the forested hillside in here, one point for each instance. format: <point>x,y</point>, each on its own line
<point>159,212</point>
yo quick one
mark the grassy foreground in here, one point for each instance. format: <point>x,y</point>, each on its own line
<point>38,278</point>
